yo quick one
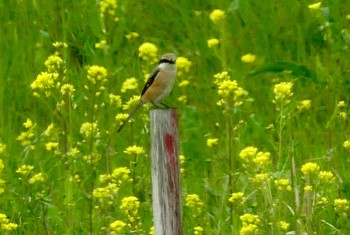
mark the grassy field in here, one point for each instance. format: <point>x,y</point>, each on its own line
<point>262,93</point>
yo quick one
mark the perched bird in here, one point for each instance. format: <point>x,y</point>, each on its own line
<point>159,84</point>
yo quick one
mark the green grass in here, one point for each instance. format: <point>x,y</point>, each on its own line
<point>292,43</point>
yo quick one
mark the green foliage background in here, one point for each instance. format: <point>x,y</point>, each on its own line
<point>292,43</point>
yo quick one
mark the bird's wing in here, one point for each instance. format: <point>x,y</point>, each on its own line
<point>150,80</point>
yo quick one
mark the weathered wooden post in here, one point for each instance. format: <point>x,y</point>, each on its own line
<point>165,172</point>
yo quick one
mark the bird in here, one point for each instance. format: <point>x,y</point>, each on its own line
<point>158,86</point>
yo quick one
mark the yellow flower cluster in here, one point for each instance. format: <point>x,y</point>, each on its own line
<point>54,63</point>
<point>132,35</point>
<point>182,163</point>
<point>106,193</point>
<point>96,74</point>
<point>115,100</point>
<point>5,223</point>
<point>237,197</point>
<point>131,102</point>
<point>89,129</point>
<point>283,185</point>
<point>251,155</point>
<point>39,177</point>
<point>46,82</point>
<point>250,224</point>
<point>195,203</point>
<point>26,136</point>
<point>326,176</point>
<point>129,84</point>
<point>130,206</point>
<point>310,168</point>
<point>212,142</point>
<point>25,169</point>
<point>183,65</point>
<point>217,16</point>
<point>228,90</point>
<point>213,42</point>
<point>101,44</point>
<point>134,150</point>
<point>315,6</point>
<point>304,105</point>
<point>341,206</point>
<point>248,58</point>
<point>283,91</point>
<point>117,227</point>
<point>49,130</point>
<point>346,144</point>
<point>51,146</point>
<point>148,52</point>
<point>284,225</point>
<point>198,230</point>
<point>67,89</point>
<point>108,7</point>
<point>341,109</point>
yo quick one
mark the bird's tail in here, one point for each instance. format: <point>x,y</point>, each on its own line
<point>131,114</point>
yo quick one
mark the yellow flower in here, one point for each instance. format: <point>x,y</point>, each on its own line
<point>2,165</point>
<point>237,197</point>
<point>100,44</point>
<point>120,174</point>
<point>148,51</point>
<point>44,81</point>
<point>212,142</point>
<point>284,225</point>
<point>88,129</point>
<point>283,91</point>
<point>347,17</point>
<point>67,89</point>
<point>248,154</point>
<point>343,115</point>
<point>283,185</point>
<point>217,16</point>
<point>117,227</point>
<point>131,150</point>
<point>213,42</point>
<point>262,158</point>
<point>51,145</point>
<point>59,45</point>
<point>96,74</point>
<point>5,223</point>
<point>130,205</point>
<point>28,124</point>
<point>310,168</point>
<point>308,188</point>
<point>53,63</point>
<point>184,83</point>
<point>129,84</point>
<point>326,176</point>
<point>341,104</point>
<point>183,65</point>
<point>198,230</point>
<point>226,87</point>
<point>182,98</point>
<point>121,117</point>
<point>248,58</point>
<point>36,178</point>
<point>304,105</point>
<point>248,229</point>
<point>25,169</point>
<point>115,100</point>
<point>260,178</point>
<point>341,205</point>
<point>108,6</point>
<point>131,102</point>
<point>249,219</point>
<point>132,35</point>
<point>346,144</point>
<point>193,201</point>
<point>315,6</point>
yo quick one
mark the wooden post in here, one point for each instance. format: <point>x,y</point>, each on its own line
<point>165,172</point>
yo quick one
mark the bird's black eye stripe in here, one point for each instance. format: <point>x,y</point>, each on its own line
<point>166,61</point>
